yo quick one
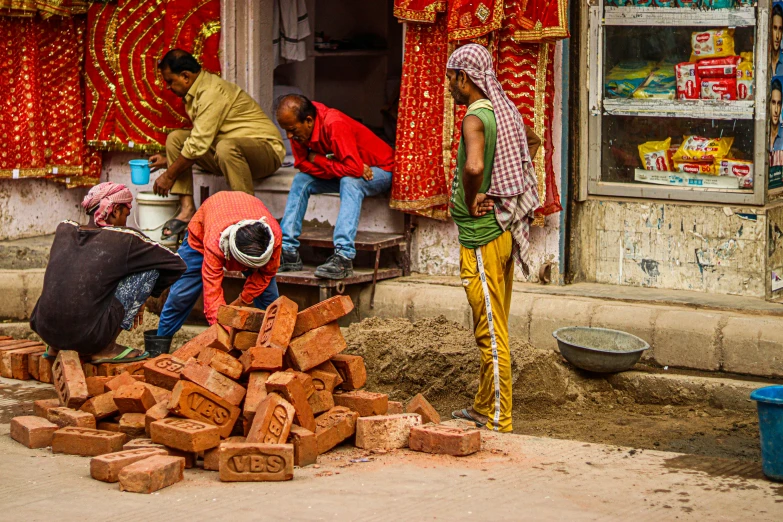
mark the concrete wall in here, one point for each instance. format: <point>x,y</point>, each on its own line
<point>708,248</point>
<point>33,207</point>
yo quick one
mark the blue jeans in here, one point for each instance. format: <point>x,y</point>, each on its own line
<point>352,193</point>
<point>186,291</point>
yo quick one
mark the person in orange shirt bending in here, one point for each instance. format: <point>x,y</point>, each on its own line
<point>231,230</point>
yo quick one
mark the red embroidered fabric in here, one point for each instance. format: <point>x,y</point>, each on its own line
<point>419,10</point>
<point>470,19</point>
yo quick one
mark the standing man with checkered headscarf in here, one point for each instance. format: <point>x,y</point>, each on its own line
<point>492,202</point>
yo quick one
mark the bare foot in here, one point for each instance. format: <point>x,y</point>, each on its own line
<point>113,350</point>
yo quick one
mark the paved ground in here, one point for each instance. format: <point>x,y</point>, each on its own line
<point>513,478</point>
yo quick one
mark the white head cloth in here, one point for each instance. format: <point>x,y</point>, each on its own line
<point>228,244</point>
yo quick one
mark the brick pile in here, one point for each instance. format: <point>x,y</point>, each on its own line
<point>256,394</point>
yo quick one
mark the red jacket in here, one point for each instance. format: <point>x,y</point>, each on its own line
<point>216,213</point>
<point>352,144</point>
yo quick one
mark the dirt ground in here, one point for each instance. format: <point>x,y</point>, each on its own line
<point>439,358</point>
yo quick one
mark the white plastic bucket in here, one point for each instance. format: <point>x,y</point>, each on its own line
<point>152,212</point>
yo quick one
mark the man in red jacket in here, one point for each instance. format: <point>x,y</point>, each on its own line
<point>231,230</point>
<point>334,153</point>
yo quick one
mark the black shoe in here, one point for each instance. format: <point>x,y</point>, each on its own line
<point>290,262</point>
<point>336,267</point>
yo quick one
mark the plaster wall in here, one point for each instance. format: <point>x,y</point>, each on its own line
<point>34,207</point>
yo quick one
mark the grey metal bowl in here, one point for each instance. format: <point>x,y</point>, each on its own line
<point>599,349</point>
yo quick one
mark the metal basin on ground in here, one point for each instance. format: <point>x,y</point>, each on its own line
<point>599,349</point>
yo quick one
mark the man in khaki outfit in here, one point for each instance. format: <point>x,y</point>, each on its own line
<point>231,136</point>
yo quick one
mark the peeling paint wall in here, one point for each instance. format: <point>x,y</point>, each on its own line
<point>34,207</point>
<point>774,274</point>
<point>671,245</point>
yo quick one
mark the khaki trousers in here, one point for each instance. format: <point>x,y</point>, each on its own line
<point>488,276</point>
<point>239,160</point>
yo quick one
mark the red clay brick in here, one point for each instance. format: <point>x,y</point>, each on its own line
<point>244,340</point>
<point>157,412</point>
<point>97,385</point>
<point>151,474</point>
<point>240,317</point>
<point>110,425</point>
<point>14,363</point>
<point>395,408</point>
<point>194,402</point>
<point>41,407</point>
<point>185,434</point>
<point>101,406</point>
<point>69,380</point>
<point>316,346</point>
<point>34,365</point>
<point>213,381</point>
<point>160,394</point>
<point>325,377</point>
<point>385,432</point>
<point>132,425</point>
<point>212,457</point>
<point>306,380</point>
<point>290,387</point>
<point>106,468</point>
<point>262,358</point>
<point>325,312</point>
<point>189,456</point>
<point>256,392</point>
<point>223,339</point>
<point>45,370</point>
<point>352,371</point>
<point>272,422</point>
<point>256,462</point>
<point>419,405</point>
<point>33,432</point>
<point>333,427</point>
<point>118,381</point>
<point>305,446</point>
<point>86,442</point>
<point>227,365</point>
<point>278,325</point>
<point>67,417</point>
<point>112,369</point>
<point>193,347</point>
<point>134,398</point>
<point>90,370</point>
<point>445,440</point>
<point>321,401</point>
<point>365,403</point>
<point>163,371</point>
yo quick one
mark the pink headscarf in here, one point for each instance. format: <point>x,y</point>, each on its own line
<point>104,197</point>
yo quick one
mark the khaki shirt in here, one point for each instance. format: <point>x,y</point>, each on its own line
<point>221,110</point>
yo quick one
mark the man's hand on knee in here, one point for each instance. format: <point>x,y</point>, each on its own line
<point>367,174</point>
<point>163,184</point>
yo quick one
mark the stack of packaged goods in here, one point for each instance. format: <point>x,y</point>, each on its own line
<point>715,72</point>
<point>696,155</point>
<point>703,4</point>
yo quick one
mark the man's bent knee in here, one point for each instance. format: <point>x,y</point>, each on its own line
<point>176,139</point>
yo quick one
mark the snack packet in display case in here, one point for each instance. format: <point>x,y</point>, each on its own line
<point>738,168</point>
<point>660,85</point>
<point>665,3</point>
<point>745,85</point>
<point>695,168</point>
<point>712,43</point>
<point>643,3</point>
<point>626,77</point>
<point>687,81</point>
<point>686,3</point>
<point>698,149</point>
<point>718,67</point>
<point>718,88</point>
<point>655,155</point>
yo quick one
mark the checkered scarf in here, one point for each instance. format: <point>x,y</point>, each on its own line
<point>103,198</point>
<point>513,185</point>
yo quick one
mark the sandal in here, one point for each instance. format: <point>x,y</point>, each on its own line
<point>465,414</point>
<point>48,355</point>
<point>175,227</point>
<point>122,357</point>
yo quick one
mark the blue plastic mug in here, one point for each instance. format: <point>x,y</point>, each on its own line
<point>140,171</point>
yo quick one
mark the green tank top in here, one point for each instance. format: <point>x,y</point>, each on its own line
<point>476,231</point>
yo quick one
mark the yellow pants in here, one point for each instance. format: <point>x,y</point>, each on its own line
<point>240,160</point>
<point>490,303</point>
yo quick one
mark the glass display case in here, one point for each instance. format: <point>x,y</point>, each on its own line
<point>681,105</point>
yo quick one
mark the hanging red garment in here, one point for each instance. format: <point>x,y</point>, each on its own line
<point>423,145</point>
<point>470,19</point>
<point>129,107</point>
<point>41,101</point>
<point>419,10</point>
<point>541,21</point>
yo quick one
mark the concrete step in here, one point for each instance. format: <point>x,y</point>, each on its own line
<point>27,253</point>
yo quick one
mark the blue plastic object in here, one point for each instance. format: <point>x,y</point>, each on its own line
<point>769,401</point>
<point>140,171</point>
